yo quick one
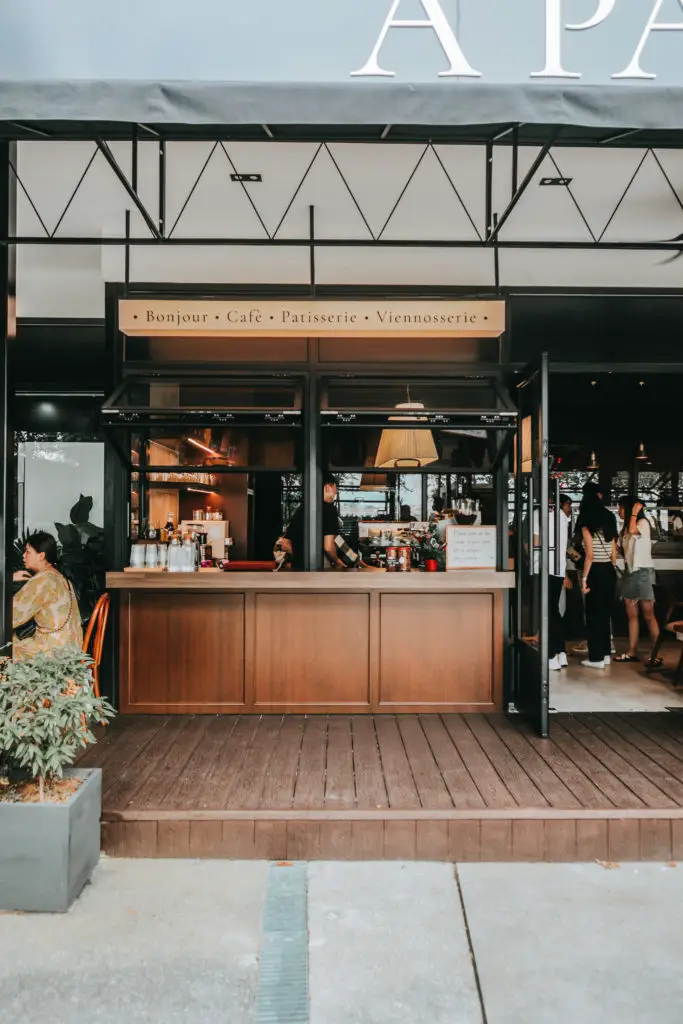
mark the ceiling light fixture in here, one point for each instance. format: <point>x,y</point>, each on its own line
<point>593,463</point>
<point>204,447</point>
<point>409,448</point>
<point>557,182</point>
<point>642,455</point>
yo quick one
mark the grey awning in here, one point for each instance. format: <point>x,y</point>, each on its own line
<point>354,103</point>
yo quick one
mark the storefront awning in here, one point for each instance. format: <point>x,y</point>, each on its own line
<point>595,63</point>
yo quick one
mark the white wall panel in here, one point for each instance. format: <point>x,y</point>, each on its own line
<point>607,269</point>
<point>219,265</point>
<point>59,281</point>
<point>202,201</point>
<point>438,267</point>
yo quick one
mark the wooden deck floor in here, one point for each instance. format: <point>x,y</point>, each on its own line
<point>450,787</point>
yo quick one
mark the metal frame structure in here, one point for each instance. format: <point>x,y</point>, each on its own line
<point>7,329</point>
<point>550,143</point>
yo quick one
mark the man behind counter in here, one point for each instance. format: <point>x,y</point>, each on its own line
<point>331,528</point>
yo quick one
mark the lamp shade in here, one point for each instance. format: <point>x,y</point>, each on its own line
<point>373,481</point>
<point>409,448</point>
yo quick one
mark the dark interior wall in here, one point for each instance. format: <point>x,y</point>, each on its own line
<point>58,354</point>
<point>620,327</point>
<point>608,329</point>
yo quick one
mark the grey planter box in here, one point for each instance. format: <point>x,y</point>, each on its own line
<point>49,851</point>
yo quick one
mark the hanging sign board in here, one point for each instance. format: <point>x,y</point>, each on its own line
<point>471,547</point>
<point>311,317</point>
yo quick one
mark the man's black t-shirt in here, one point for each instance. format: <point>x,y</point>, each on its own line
<point>295,531</point>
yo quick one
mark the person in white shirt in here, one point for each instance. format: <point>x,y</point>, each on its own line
<point>637,586</point>
<point>559,580</point>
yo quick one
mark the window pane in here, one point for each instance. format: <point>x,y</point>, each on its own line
<point>51,477</point>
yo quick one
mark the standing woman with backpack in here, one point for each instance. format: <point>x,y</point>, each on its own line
<point>637,586</point>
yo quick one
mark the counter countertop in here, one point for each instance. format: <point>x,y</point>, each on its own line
<point>417,582</point>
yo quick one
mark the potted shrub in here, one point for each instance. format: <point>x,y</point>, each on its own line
<point>431,551</point>
<point>49,812</point>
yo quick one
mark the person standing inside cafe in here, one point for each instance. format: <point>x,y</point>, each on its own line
<point>292,541</point>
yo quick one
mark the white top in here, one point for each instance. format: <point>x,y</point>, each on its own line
<point>563,543</point>
<point>638,548</point>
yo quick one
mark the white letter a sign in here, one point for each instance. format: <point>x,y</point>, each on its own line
<point>437,21</point>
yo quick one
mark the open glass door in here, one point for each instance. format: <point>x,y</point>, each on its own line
<point>532,562</point>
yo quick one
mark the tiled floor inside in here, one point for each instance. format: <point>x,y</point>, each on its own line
<point>617,688</point>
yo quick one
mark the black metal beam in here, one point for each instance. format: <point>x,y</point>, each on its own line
<point>132,194</point>
<point>528,178</point>
<point>8,205</point>
<point>361,243</point>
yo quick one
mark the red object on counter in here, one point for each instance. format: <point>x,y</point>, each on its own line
<point>248,567</point>
<point>431,565</point>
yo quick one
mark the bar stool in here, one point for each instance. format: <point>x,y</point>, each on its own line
<point>677,629</point>
<point>674,605</point>
<point>93,641</point>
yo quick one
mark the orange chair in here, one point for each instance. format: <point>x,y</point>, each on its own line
<point>97,627</point>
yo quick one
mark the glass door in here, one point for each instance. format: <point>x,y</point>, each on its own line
<point>532,562</point>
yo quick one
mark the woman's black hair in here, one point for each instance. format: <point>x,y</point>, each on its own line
<point>595,517</point>
<point>44,543</point>
<point>330,480</point>
<point>627,501</point>
<point>439,503</point>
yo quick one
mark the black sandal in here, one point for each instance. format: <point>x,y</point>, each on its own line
<point>626,659</point>
<point>654,663</point>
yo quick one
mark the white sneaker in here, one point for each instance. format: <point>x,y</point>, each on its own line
<point>554,664</point>
<point>608,661</point>
<point>562,657</point>
<point>594,664</point>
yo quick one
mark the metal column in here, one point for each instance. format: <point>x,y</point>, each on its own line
<point>7,332</point>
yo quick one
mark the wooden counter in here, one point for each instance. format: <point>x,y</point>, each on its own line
<point>356,642</point>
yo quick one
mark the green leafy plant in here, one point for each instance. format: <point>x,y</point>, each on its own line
<point>47,710</point>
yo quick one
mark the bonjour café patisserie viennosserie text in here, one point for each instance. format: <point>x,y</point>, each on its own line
<point>289,317</point>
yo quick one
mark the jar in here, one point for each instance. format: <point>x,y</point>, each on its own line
<point>392,559</point>
<point>403,559</point>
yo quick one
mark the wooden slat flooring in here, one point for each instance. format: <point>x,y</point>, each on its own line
<point>469,787</point>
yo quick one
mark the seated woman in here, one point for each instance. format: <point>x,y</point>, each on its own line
<point>46,599</point>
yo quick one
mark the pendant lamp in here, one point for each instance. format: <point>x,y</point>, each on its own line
<point>593,464</point>
<point>642,455</point>
<point>373,481</point>
<point>409,448</point>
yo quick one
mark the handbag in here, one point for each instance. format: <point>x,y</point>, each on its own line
<point>26,630</point>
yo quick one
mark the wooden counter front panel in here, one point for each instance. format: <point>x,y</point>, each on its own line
<point>438,650</point>
<point>311,649</point>
<point>181,652</point>
<point>275,651</point>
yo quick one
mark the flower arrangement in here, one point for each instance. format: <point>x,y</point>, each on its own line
<point>428,545</point>
<point>47,710</point>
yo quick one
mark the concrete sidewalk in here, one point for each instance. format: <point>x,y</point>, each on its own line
<point>160,942</point>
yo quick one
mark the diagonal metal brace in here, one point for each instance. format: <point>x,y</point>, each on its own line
<point>529,177</point>
<point>132,194</point>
